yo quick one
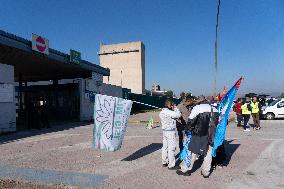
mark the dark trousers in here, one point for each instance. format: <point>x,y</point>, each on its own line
<point>256,120</point>
<point>180,130</point>
<point>239,119</point>
<point>220,156</point>
<point>246,120</point>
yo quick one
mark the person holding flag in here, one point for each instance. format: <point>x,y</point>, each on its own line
<point>184,108</point>
<point>202,136</point>
<point>224,108</point>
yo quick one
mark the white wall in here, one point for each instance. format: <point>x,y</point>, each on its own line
<point>7,107</point>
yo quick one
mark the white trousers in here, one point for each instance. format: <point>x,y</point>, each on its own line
<point>206,165</point>
<point>169,147</point>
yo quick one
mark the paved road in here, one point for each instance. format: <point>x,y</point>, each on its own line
<point>44,159</point>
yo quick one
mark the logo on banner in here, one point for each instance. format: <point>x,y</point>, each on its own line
<point>110,121</point>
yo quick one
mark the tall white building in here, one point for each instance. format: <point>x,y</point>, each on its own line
<point>126,62</point>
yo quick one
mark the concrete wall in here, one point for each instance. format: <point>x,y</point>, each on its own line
<point>88,88</point>
<point>126,62</point>
<point>7,108</point>
<point>112,90</point>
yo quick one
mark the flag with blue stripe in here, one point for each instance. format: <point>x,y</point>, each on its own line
<point>224,111</point>
<point>185,154</point>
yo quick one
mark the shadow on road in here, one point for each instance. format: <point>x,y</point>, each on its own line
<point>11,137</point>
<point>144,151</point>
<point>230,149</point>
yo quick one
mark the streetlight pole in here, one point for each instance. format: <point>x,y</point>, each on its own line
<point>216,49</point>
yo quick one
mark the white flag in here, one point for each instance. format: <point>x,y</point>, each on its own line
<point>110,121</point>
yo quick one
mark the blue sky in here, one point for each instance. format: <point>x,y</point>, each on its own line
<point>178,36</point>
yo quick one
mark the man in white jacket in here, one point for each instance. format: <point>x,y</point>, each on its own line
<point>168,117</point>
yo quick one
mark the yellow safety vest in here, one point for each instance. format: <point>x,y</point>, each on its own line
<point>245,110</point>
<point>254,108</point>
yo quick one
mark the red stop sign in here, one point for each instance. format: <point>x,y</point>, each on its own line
<point>40,44</point>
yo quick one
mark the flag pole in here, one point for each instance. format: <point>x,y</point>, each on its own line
<point>216,49</point>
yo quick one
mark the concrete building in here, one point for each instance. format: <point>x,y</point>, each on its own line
<point>126,62</point>
<point>44,80</point>
<point>156,87</point>
<point>156,91</point>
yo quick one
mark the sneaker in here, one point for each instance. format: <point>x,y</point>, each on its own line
<point>179,172</point>
<point>220,166</point>
<point>204,176</point>
<point>174,168</point>
<point>165,165</point>
<point>246,130</point>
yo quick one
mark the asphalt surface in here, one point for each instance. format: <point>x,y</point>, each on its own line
<point>63,157</point>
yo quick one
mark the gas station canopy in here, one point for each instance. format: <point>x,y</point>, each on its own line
<point>35,66</point>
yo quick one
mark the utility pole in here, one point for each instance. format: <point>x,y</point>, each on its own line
<point>216,49</point>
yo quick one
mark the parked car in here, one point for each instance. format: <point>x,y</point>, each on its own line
<point>274,110</point>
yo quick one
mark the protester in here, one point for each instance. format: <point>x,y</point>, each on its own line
<point>168,117</point>
<point>255,107</point>
<point>200,123</point>
<point>221,156</point>
<point>184,108</point>
<point>30,113</point>
<point>43,116</point>
<point>239,112</point>
<point>246,111</point>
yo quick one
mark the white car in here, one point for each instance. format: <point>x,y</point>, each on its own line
<point>274,110</point>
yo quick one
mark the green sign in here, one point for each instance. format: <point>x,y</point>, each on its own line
<point>75,57</point>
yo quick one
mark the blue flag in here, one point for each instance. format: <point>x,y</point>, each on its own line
<point>185,154</point>
<point>224,111</point>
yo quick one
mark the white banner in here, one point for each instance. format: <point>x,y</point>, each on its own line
<point>110,121</point>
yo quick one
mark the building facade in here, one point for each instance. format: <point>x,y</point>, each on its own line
<point>44,81</point>
<point>126,62</point>
<point>7,100</point>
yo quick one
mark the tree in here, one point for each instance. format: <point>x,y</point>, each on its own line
<point>169,93</point>
<point>188,94</point>
<point>282,95</point>
<point>250,95</point>
<point>182,95</point>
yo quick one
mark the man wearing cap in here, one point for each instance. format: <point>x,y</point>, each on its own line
<point>202,123</point>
